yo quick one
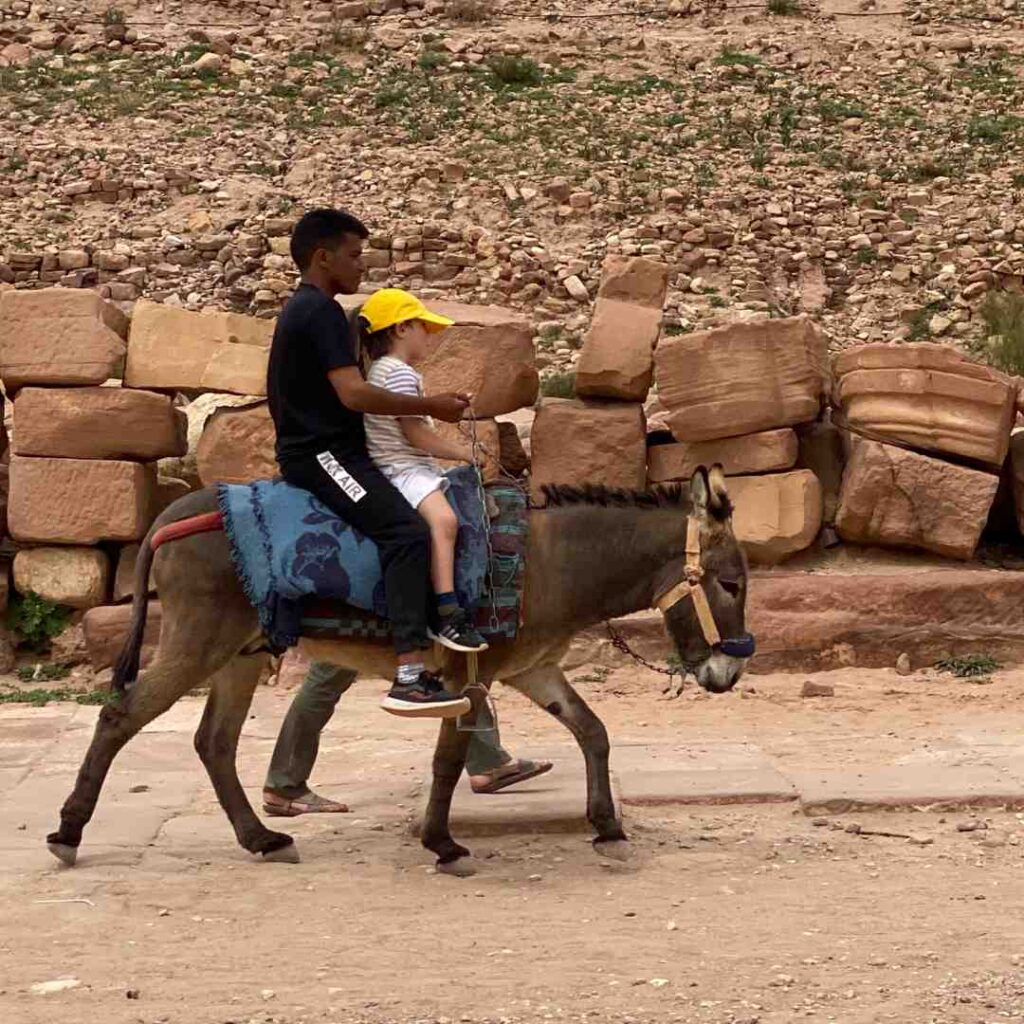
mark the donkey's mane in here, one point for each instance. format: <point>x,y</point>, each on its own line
<point>675,496</point>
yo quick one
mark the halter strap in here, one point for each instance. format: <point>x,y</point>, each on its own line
<point>690,586</point>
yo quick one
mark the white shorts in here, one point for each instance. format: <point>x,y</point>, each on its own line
<point>415,483</point>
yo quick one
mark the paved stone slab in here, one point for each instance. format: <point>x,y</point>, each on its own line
<point>714,774</point>
<point>934,786</point>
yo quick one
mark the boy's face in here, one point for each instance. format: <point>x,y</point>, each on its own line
<point>343,266</point>
<point>415,339</point>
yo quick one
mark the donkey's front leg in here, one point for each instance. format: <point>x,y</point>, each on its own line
<point>548,687</point>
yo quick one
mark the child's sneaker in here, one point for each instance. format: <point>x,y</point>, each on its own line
<point>425,698</point>
<point>457,633</point>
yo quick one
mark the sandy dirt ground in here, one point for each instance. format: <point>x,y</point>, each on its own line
<point>749,912</point>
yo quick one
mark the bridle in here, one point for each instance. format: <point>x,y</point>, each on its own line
<point>691,586</point>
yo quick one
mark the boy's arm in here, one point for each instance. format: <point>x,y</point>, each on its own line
<point>422,436</point>
<point>359,396</point>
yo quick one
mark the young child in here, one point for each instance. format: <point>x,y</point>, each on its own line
<point>395,330</point>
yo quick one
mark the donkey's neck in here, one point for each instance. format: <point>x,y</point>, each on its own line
<point>588,563</point>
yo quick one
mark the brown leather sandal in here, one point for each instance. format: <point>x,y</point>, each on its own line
<point>309,803</point>
<point>510,774</point>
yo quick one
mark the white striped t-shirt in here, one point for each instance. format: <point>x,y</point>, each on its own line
<point>385,441</point>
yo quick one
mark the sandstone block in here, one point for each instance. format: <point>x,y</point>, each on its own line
<point>79,501</point>
<point>489,352</point>
<point>634,279</point>
<point>742,378</point>
<point>756,453</point>
<point>59,336</point>
<point>894,497</point>
<point>175,349</point>
<point>617,360</point>
<point>584,442</point>
<point>237,445</point>
<point>97,423</point>
<point>929,396</point>
<point>106,628</point>
<point>776,515</point>
<point>76,577</point>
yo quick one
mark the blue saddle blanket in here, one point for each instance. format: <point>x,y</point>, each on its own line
<point>287,546</point>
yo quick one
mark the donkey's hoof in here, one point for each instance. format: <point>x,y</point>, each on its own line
<point>67,855</point>
<point>283,855</point>
<point>614,849</point>
<point>461,867</point>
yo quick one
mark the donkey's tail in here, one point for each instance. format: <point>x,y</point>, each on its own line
<point>126,668</point>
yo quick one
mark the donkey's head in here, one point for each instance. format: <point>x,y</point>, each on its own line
<point>704,596</point>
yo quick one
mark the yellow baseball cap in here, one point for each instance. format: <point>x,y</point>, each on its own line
<point>391,306</point>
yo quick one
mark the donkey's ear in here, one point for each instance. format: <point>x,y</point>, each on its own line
<point>700,492</point>
<point>719,504</point>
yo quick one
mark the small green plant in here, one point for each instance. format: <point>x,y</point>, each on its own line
<point>867,256</point>
<point>784,8</point>
<point>113,16</point>
<point>558,385</point>
<point>47,672</point>
<point>515,71</point>
<point>920,320</point>
<point>39,697</point>
<point>704,175</point>
<point>1003,314</point>
<point>599,674</point>
<point>969,666</point>
<point>1018,181</point>
<point>731,58</point>
<point>391,96</point>
<point>431,60</point>
<point>36,620</point>
<point>717,302</point>
<point>990,131</point>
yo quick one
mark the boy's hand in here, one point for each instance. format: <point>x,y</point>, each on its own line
<point>448,407</point>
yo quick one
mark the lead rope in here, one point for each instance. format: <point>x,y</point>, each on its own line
<point>472,674</point>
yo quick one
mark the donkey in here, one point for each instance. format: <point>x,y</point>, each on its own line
<point>593,554</point>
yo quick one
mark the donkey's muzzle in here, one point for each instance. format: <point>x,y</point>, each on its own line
<point>739,646</point>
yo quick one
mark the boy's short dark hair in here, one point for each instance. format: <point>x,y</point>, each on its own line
<point>323,229</point>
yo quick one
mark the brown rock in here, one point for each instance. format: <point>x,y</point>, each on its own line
<point>756,453</point>
<point>929,396</point>
<point>97,423</point>
<point>489,353</point>
<point>617,360</point>
<point>59,336</point>
<point>237,446</point>
<point>174,349</point>
<point>106,629</point>
<point>634,279</point>
<point>514,460</point>
<point>742,378</point>
<point>814,292</point>
<point>813,689</point>
<point>168,491</point>
<point>76,577</point>
<point>124,577</point>
<point>79,501</point>
<point>487,438</point>
<point>776,515</point>
<point>895,497</point>
<point>821,451</point>
<point>584,442</point>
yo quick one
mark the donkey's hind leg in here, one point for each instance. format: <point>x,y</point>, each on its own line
<point>217,745</point>
<point>158,688</point>
<point>548,687</point>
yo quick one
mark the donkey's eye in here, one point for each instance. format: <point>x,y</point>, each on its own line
<point>731,587</point>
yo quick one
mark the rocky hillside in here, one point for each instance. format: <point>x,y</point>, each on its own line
<point>857,161</point>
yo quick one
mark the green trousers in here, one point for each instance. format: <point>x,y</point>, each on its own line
<point>298,743</point>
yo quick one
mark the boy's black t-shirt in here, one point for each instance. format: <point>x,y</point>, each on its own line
<point>312,338</point>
